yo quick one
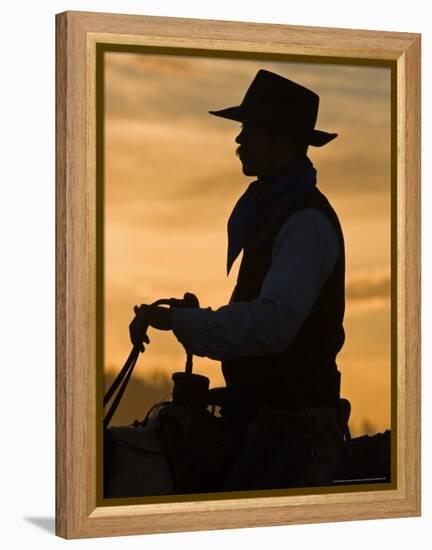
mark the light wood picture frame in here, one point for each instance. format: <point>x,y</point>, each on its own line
<point>80,40</point>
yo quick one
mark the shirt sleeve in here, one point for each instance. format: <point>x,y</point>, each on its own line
<point>303,256</point>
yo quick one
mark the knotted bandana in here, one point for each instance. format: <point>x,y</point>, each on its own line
<point>274,197</point>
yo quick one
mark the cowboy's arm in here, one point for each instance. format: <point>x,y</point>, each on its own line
<point>304,254</point>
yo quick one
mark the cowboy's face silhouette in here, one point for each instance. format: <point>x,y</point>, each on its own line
<point>263,151</point>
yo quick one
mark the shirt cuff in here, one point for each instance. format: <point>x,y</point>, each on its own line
<point>188,326</point>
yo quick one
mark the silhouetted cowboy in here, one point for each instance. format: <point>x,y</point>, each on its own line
<point>279,336</point>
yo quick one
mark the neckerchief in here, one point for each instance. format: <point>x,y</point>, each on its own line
<point>273,198</point>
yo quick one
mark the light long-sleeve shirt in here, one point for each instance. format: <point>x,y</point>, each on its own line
<point>303,255</point>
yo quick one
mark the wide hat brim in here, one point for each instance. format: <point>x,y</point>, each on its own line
<point>316,138</point>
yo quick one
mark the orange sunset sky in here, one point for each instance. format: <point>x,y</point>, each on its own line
<point>172,178</point>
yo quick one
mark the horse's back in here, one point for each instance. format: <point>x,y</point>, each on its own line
<point>138,464</point>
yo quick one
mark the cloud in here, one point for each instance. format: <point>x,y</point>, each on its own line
<point>148,87</point>
<point>158,179</point>
<point>171,88</point>
<point>369,285</point>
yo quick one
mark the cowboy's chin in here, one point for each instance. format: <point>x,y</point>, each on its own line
<point>247,169</point>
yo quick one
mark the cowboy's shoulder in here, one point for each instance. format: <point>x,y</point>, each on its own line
<point>307,225</point>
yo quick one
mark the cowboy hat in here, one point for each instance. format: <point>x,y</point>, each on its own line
<point>274,100</point>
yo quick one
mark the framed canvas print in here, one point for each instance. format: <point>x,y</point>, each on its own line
<point>238,274</point>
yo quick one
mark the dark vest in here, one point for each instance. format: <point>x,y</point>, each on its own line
<point>305,374</point>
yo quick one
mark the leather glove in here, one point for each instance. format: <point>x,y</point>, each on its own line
<point>145,316</point>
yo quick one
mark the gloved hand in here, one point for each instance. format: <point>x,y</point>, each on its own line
<point>145,316</point>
